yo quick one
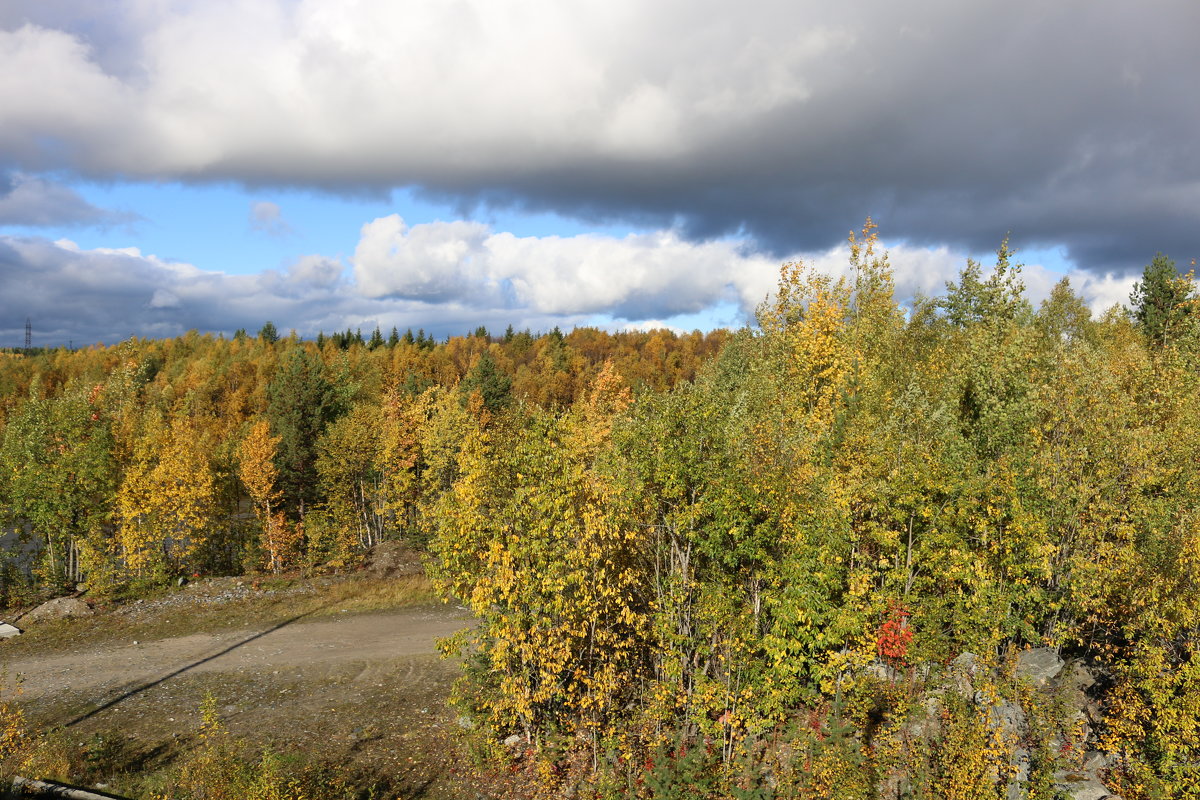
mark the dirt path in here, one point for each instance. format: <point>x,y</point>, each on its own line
<point>370,641</point>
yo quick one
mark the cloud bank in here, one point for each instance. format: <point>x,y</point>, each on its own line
<point>446,277</point>
<point>951,123</point>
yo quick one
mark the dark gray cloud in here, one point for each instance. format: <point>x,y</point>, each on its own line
<point>1069,124</point>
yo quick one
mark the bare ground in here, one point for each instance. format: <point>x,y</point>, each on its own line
<point>363,690</point>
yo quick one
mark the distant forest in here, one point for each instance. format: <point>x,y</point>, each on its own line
<point>737,563</point>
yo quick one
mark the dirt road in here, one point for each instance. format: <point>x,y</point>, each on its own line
<point>372,641</point>
<point>363,691</point>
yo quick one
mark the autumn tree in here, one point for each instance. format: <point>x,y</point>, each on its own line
<point>166,500</point>
<point>58,479</point>
<point>258,474</point>
<point>347,464</point>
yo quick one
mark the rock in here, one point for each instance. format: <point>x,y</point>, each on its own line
<point>1077,724</point>
<point>1020,759</point>
<point>1009,719</point>
<point>513,741</point>
<point>1016,791</point>
<point>7,631</point>
<point>962,672</point>
<point>881,672</point>
<point>965,662</point>
<point>465,722</point>
<point>894,787</point>
<point>58,608</point>
<point>1077,676</point>
<point>1039,666</point>
<point>1094,761</point>
<point>1090,789</point>
<point>929,724</point>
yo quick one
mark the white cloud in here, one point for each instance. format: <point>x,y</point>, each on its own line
<point>163,299</point>
<point>352,87</point>
<point>640,277</point>
<point>316,271</point>
<point>633,277</point>
<point>445,277</point>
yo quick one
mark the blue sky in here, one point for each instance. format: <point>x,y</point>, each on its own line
<point>181,164</point>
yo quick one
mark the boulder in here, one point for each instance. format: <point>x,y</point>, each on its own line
<point>58,608</point>
<point>1090,789</point>
<point>7,630</point>
<point>1039,666</point>
<point>1077,676</point>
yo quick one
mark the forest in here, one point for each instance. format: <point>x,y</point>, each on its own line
<point>736,564</point>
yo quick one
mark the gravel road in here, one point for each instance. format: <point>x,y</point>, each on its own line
<point>369,640</point>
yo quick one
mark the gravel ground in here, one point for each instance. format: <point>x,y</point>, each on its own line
<point>366,690</point>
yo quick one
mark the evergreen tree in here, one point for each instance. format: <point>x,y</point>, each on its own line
<point>493,385</point>
<point>301,402</point>
<point>1163,300</point>
<point>394,338</point>
<point>376,339</point>
<point>268,333</point>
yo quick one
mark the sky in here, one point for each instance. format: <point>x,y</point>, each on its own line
<point>168,165</point>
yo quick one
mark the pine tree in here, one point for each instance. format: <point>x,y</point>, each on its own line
<point>493,385</point>
<point>301,402</point>
<point>268,333</point>
<point>1163,300</point>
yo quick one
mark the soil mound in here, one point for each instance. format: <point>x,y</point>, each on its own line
<point>392,560</point>
<point>58,608</point>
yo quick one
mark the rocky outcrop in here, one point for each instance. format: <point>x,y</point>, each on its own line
<point>1014,701</point>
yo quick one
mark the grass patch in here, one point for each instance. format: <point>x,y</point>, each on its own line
<point>364,595</point>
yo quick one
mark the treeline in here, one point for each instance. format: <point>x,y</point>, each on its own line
<point>149,459</point>
<point>751,584</point>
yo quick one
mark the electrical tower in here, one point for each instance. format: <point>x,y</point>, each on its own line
<point>28,334</point>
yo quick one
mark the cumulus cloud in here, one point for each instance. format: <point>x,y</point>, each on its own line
<point>482,277</point>
<point>787,122</point>
<point>34,201</point>
<point>634,277</point>
<point>642,278</point>
<point>267,217</point>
